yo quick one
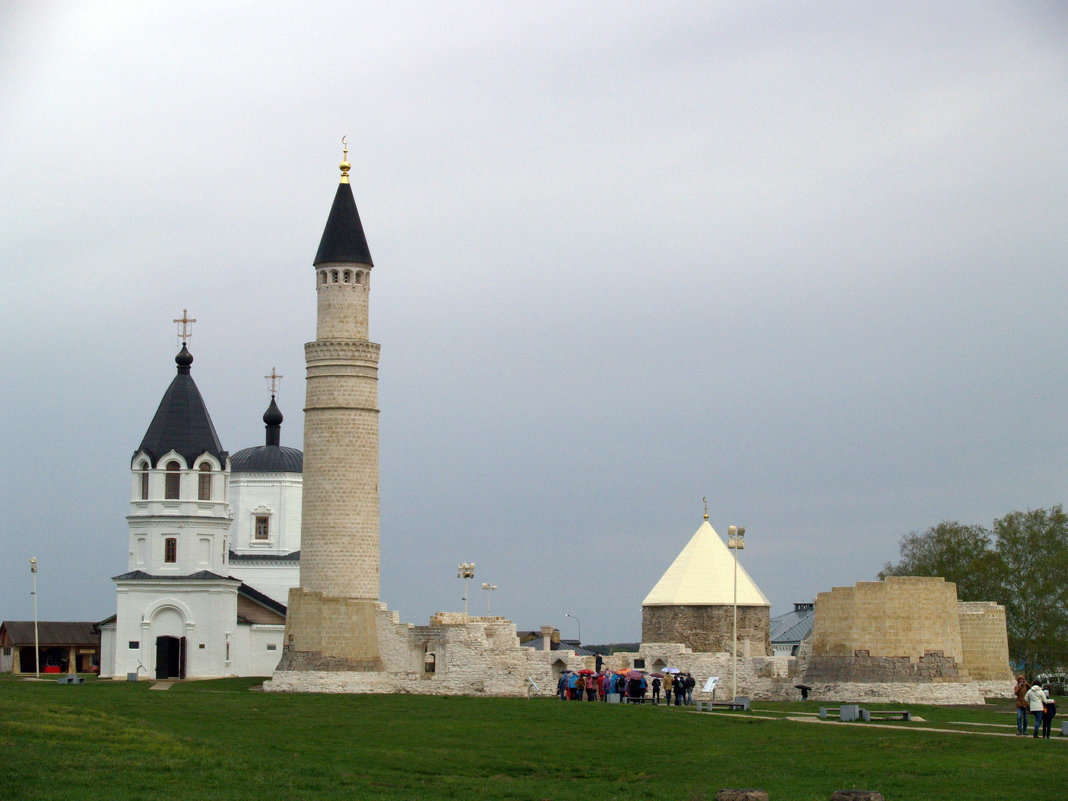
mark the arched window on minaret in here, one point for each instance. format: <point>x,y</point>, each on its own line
<point>333,276</point>
<point>204,483</point>
<point>173,482</point>
<point>348,276</point>
<point>143,467</point>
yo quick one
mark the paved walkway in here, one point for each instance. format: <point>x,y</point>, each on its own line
<point>804,718</point>
<point>161,685</point>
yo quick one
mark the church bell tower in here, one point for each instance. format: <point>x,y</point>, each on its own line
<point>331,620</point>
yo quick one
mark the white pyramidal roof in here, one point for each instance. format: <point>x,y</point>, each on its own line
<point>703,575</point>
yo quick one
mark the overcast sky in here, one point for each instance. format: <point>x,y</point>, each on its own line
<point>805,259</point>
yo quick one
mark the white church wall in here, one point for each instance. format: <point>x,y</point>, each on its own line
<point>275,495</point>
<point>273,580</point>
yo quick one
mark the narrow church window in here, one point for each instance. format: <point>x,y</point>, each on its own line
<point>204,487</point>
<point>333,276</point>
<point>348,276</point>
<point>263,527</point>
<point>359,277</point>
<point>143,467</point>
<point>173,481</point>
<point>170,550</point>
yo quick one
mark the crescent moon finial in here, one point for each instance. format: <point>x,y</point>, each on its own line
<point>345,161</point>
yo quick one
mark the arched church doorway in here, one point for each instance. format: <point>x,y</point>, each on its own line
<point>170,657</point>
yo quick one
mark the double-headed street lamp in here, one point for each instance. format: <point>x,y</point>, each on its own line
<point>466,570</point>
<point>489,588</point>
<point>36,639</point>
<point>736,542</point>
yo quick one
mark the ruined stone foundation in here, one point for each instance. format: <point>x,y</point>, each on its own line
<point>330,633</point>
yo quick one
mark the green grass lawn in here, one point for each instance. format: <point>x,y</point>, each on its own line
<point>218,740</point>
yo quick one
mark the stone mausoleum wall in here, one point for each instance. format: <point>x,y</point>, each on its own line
<point>985,640</point>
<point>708,628</point>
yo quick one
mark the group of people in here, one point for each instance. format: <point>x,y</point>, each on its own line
<point>631,685</point>
<point>1038,702</point>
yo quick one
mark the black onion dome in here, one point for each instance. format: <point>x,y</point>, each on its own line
<point>273,416</point>
<point>343,238</point>
<point>182,422</point>
<point>267,459</point>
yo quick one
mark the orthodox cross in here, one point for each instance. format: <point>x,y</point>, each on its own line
<point>273,380</point>
<point>185,321</point>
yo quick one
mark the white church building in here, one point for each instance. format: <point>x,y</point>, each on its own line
<point>214,546</point>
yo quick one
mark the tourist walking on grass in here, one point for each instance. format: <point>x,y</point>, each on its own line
<point>1036,699</point>
<point>1021,705</point>
<point>1050,714</point>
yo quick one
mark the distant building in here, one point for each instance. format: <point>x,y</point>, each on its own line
<point>64,647</point>
<point>788,630</point>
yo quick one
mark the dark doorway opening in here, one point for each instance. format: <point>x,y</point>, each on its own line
<point>170,657</point>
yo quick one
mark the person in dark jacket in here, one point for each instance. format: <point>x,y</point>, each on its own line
<point>1049,713</point>
<point>656,690</point>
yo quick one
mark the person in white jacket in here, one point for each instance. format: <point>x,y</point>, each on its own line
<point>1036,699</point>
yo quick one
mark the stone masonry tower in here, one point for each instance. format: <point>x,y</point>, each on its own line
<point>330,623</point>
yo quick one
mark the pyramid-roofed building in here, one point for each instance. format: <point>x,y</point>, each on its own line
<point>693,602</point>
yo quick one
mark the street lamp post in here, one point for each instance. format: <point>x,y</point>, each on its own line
<point>736,542</point>
<point>568,614</point>
<point>36,639</point>
<point>466,570</point>
<point>488,588</point>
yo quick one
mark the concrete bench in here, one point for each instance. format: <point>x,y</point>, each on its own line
<point>71,679</point>
<point>738,705</point>
<point>885,714</point>
<point>846,712</point>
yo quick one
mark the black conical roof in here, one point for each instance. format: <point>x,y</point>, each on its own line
<point>182,423</point>
<point>343,238</point>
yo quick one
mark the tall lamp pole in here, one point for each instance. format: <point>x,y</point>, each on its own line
<point>736,542</point>
<point>466,570</point>
<point>568,614</point>
<point>488,588</point>
<point>36,639</point>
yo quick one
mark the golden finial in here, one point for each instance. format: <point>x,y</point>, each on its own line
<point>345,161</point>
<point>706,506</point>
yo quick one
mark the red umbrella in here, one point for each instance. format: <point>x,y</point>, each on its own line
<point>634,674</point>
<point>587,672</point>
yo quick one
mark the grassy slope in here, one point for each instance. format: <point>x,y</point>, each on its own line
<point>219,741</point>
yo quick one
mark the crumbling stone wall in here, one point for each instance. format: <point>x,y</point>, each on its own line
<point>707,629</point>
<point>862,667</point>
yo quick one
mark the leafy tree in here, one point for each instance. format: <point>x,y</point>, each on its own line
<point>1021,564</point>
<point>1032,572</point>
<point>956,552</point>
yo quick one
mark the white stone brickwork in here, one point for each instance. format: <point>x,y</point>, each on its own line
<point>340,548</point>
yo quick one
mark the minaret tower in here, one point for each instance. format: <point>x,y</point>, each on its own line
<point>331,618</point>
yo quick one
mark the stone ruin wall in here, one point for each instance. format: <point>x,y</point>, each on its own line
<point>985,639</point>
<point>482,655</point>
<point>906,616</point>
<point>709,628</point>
